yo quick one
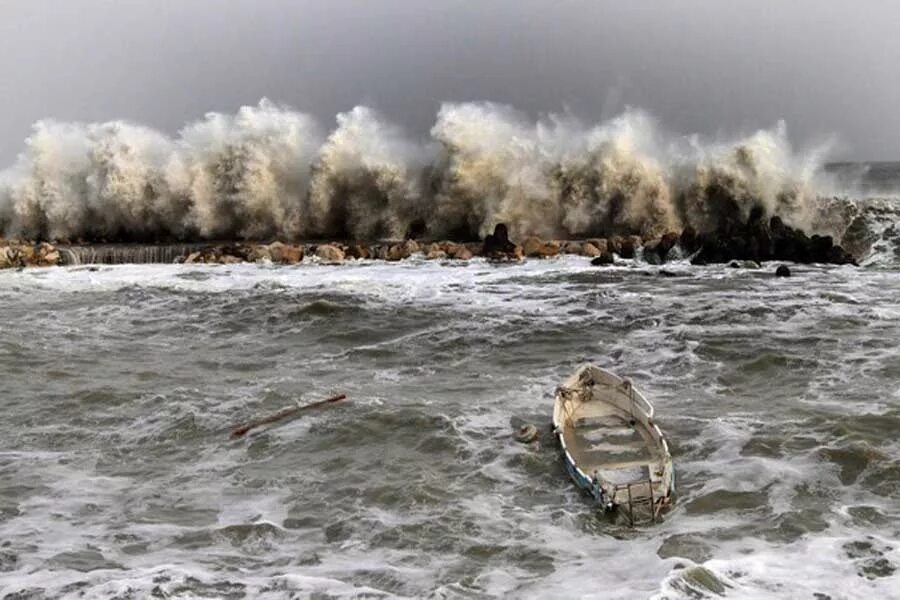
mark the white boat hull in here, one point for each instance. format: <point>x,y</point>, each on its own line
<point>611,446</point>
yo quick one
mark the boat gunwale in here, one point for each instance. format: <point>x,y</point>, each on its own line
<point>583,480</point>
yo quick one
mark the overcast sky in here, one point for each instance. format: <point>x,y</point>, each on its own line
<point>827,68</point>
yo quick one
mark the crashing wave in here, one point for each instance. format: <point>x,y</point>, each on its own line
<point>266,172</point>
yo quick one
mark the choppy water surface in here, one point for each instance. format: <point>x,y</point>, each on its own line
<point>118,478</point>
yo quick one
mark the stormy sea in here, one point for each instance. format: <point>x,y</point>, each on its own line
<point>118,474</point>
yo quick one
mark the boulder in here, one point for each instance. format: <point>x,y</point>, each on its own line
<point>820,247</point>
<point>284,253</point>
<point>436,254</point>
<point>51,258</point>
<point>629,246</point>
<point>19,253</point>
<point>475,248</point>
<point>535,247</point>
<point>782,271</point>
<point>666,243</point>
<point>329,253</point>
<point>498,245</point>
<point>10,257</point>
<point>260,254</point>
<point>604,259</point>
<point>859,236</point>
<point>26,252</point>
<point>462,253</point>
<point>398,252</point>
<point>228,254</point>
<point>758,240</point>
<point>412,247</point>
<point>450,250</point>
<point>601,244</point>
<point>358,250</point>
<point>688,240</point>
<point>379,251</point>
<point>576,248</point>
<point>651,254</point>
<point>592,251</point>
<point>614,244</point>
<point>550,249</point>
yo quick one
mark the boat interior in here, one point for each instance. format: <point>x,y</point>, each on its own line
<point>609,433</point>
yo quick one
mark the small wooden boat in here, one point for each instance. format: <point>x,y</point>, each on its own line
<point>611,446</point>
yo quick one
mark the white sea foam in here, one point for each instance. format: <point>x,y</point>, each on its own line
<point>268,171</point>
<point>422,490</point>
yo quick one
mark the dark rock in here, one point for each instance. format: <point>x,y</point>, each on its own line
<point>859,237</point>
<point>688,240</point>
<point>358,250</point>
<point>651,253</point>
<point>656,251</point>
<point>782,271</point>
<point>756,214</point>
<point>498,244</point>
<point>629,245</point>
<point>604,259</point>
<point>666,243</point>
<point>820,247</point>
<point>776,225</point>
<point>759,241</point>
<point>614,244</point>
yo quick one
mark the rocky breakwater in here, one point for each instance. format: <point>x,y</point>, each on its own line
<point>276,252</point>
<point>755,241</point>
<point>760,240</point>
<point>17,254</point>
<point>329,253</point>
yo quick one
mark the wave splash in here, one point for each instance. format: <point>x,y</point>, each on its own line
<point>268,171</point>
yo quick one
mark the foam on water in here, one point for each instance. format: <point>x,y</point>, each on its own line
<point>117,478</point>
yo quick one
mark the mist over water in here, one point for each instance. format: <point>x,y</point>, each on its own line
<point>268,171</point>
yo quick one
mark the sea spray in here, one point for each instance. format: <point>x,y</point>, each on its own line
<point>267,171</point>
<point>246,175</point>
<point>613,183</point>
<point>722,183</point>
<point>492,168</point>
<point>367,180</point>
